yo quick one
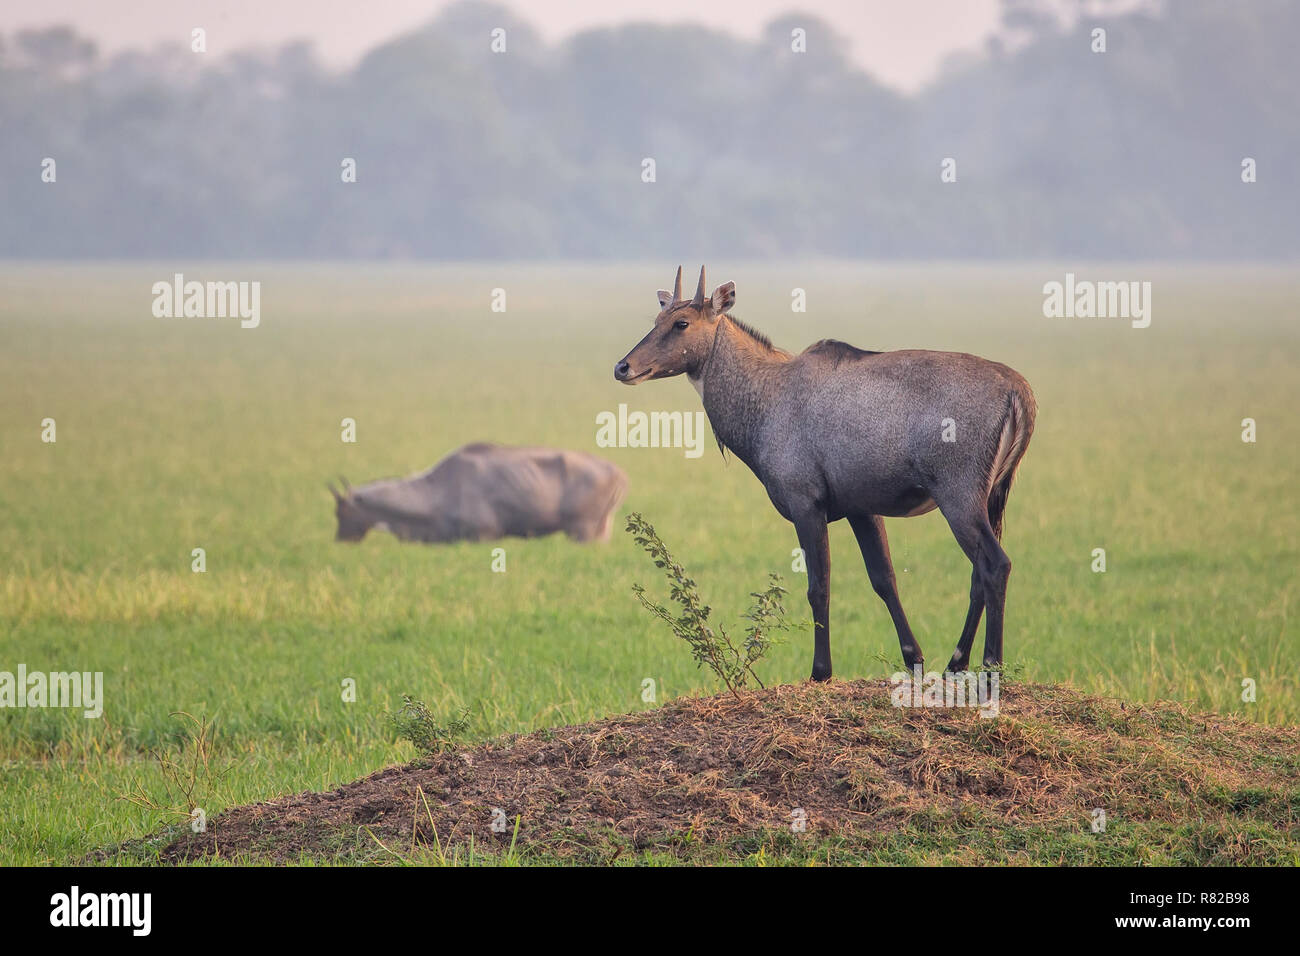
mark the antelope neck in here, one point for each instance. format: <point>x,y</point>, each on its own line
<point>737,385</point>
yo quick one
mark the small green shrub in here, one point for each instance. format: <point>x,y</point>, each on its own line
<point>416,723</point>
<point>733,665</point>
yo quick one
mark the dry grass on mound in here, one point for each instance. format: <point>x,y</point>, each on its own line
<point>706,775</point>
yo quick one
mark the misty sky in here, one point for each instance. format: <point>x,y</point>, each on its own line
<point>901,42</point>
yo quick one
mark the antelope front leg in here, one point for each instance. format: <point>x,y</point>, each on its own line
<point>813,539</point>
<point>874,543</point>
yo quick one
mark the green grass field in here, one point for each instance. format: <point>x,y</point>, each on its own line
<point>175,434</point>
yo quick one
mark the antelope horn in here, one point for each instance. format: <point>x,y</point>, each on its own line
<point>698,301</point>
<point>333,491</point>
<point>677,287</point>
<point>344,483</point>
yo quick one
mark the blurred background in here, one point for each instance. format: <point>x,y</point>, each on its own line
<point>537,152</point>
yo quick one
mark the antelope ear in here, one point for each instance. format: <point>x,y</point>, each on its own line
<point>664,298</point>
<point>724,297</point>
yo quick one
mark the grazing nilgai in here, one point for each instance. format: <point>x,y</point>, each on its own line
<point>838,432</point>
<point>485,491</point>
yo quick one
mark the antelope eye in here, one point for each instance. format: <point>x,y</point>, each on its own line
<point>681,324</point>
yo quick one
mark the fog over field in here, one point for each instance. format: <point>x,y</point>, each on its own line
<point>1170,134</point>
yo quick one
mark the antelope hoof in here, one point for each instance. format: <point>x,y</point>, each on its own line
<point>957,665</point>
<point>821,673</point>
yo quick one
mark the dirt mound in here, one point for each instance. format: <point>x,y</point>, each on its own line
<point>833,772</point>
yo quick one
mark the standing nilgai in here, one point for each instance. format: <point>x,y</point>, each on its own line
<point>838,432</point>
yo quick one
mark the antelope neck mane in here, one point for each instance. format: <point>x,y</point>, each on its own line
<point>757,337</point>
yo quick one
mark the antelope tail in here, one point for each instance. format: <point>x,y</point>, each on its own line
<point>1017,427</point>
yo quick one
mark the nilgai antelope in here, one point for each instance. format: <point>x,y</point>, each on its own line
<point>838,432</point>
<point>485,491</point>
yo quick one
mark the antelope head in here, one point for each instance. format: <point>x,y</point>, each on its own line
<point>353,519</point>
<point>682,336</point>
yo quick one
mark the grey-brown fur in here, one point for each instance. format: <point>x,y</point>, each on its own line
<point>485,491</point>
<point>839,432</point>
